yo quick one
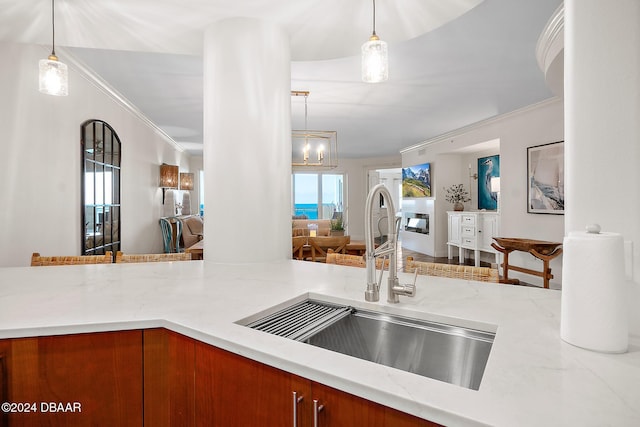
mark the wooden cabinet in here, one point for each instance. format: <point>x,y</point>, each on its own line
<point>473,231</point>
<point>73,380</point>
<point>342,409</point>
<point>232,390</point>
<point>160,378</point>
<point>169,379</point>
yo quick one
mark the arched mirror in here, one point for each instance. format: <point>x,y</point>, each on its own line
<point>101,157</point>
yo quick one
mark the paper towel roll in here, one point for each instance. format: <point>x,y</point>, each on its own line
<point>594,293</point>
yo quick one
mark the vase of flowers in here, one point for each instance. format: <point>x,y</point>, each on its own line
<point>457,195</point>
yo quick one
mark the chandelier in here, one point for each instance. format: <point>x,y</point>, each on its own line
<point>313,148</point>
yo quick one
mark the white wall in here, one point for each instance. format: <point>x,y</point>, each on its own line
<point>538,124</point>
<point>40,165</point>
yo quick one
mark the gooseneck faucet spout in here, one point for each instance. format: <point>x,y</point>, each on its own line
<point>388,248</point>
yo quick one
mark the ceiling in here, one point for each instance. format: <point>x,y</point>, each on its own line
<point>452,63</point>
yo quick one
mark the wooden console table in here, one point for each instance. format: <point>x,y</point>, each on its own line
<point>545,251</point>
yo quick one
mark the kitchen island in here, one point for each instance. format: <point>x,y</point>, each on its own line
<point>532,377</point>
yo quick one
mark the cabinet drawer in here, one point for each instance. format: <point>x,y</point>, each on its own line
<point>468,219</point>
<point>468,231</point>
<point>468,242</point>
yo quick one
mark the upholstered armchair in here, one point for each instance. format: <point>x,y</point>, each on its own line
<point>192,230</point>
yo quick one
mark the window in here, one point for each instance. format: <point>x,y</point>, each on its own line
<point>318,195</point>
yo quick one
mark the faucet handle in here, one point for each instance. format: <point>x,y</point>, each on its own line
<point>408,289</point>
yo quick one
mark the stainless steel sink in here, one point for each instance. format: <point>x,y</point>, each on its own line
<point>443,352</point>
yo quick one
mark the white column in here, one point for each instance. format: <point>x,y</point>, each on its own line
<point>602,122</point>
<point>247,142</point>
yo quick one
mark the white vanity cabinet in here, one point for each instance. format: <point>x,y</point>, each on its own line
<point>473,231</point>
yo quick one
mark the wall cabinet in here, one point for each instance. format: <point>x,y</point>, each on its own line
<point>473,231</point>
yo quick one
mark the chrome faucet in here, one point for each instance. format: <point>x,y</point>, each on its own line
<point>388,248</point>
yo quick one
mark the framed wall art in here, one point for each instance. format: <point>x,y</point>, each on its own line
<point>488,167</point>
<point>545,173</point>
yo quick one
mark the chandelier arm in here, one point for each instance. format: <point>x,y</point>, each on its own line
<point>306,127</point>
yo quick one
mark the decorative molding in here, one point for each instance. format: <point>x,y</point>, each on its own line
<point>446,137</point>
<point>551,40</point>
<point>92,77</point>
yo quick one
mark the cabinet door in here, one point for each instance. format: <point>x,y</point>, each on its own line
<point>454,228</point>
<point>5,354</point>
<point>76,380</point>
<point>169,382</point>
<point>488,230</point>
<point>235,391</point>
<point>344,409</point>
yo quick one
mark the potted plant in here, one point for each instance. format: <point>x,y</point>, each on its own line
<point>337,226</point>
<point>457,195</point>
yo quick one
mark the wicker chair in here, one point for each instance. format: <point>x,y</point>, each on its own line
<point>352,260</point>
<point>134,258</point>
<point>466,272</point>
<point>39,261</point>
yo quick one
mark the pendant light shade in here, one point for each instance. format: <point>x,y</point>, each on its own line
<point>375,59</point>
<point>54,75</point>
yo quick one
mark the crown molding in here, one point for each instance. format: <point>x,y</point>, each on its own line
<point>551,40</point>
<point>446,137</point>
<point>92,77</point>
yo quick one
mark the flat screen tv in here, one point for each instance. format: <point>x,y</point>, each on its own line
<point>416,181</point>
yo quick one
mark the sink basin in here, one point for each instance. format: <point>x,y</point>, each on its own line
<point>443,352</point>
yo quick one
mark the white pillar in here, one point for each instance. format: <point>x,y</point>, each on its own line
<point>602,122</point>
<point>247,142</point>
<point>602,111</point>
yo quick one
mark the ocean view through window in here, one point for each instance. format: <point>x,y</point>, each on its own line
<point>317,195</point>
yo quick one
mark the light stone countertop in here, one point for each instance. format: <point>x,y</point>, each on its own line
<point>532,377</point>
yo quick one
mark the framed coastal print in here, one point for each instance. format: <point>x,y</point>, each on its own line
<point>545,173</point>
<point>416,181</point>
<point>488,167</point>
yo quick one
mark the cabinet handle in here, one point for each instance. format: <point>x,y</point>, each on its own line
<point>316,410</point>
<point>296,399</point>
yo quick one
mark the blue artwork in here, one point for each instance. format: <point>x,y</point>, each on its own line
<point>488,167</point>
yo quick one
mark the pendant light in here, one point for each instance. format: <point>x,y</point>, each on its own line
<point>54,76</point>
<point>375,61</point>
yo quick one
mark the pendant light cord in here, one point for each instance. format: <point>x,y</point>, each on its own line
<point>374,17</point>
<point>53,28</point>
